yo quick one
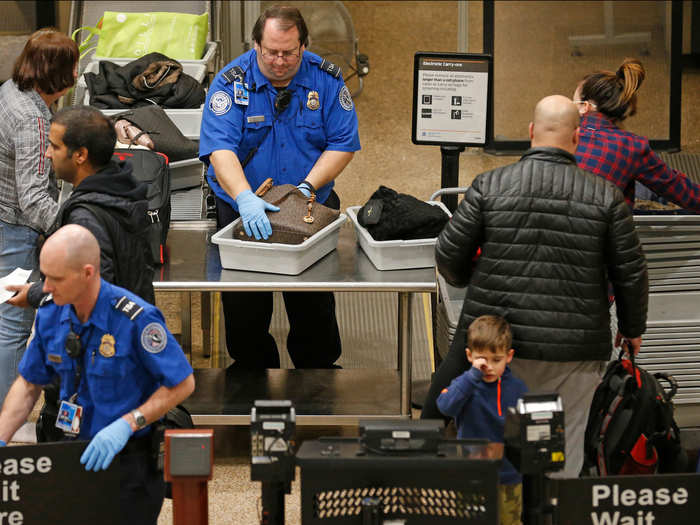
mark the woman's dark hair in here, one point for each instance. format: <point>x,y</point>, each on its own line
<point>87,128</point>
<point>615,94</point>
<point>286,18</point>
<point>47,62</point>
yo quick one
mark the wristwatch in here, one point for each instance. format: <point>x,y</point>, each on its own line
<point>139,419</point>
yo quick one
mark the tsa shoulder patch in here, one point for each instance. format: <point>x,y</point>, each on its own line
<point>128,307</point>
<point>345,98</point>
<point>220,103</point>
<point>154,338</point>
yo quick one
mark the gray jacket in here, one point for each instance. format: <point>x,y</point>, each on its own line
<point>28,191</point>
<point>552,236</point>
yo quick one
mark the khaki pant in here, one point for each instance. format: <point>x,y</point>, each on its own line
<point>510,503</point>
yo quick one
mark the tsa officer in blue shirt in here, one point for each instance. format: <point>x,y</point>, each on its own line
<point>120,369</point>
<point>277,111</point>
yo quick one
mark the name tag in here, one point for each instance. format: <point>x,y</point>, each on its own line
<point>256,118</point>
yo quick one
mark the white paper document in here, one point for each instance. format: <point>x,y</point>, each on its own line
<point>17,276</point>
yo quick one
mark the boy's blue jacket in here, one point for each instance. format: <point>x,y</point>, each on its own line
<point>479,409</point>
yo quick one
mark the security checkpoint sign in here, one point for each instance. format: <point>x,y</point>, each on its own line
<point>42,484</point>
<point>450,98</point>
<point>629,500</point>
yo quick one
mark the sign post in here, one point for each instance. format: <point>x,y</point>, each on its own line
<point>450,107</point>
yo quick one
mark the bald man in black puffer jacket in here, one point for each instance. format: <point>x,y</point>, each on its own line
<point>552,236</point>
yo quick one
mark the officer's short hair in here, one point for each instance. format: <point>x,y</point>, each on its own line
<point>286,17</point>
<point>87,128</point>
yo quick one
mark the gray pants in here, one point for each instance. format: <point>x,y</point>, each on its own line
<point>575,382</point>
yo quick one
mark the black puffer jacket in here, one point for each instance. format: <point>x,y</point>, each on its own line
<point>119,223</point>
<point>551,236</point>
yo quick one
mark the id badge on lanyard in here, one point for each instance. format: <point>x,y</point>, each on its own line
<point>69,418</point>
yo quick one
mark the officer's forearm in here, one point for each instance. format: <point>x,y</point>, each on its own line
<point>163,400</point>
<point>328,167</point>
<point>18,404</point>
<point>229,172</point>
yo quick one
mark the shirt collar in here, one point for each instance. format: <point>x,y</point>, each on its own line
<point>596,120</point>
<point>34,96</point>
<point>98,316</point>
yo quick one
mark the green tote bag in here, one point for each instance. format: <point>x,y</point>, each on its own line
<point>180,36</point>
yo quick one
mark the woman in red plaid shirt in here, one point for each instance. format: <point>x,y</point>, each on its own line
<point>604,99</point>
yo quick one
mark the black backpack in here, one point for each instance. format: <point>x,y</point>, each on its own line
<point>630,428</point>
<point>152,168</point>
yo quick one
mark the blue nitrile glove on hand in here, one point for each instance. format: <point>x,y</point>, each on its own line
<point>252,209</point>
<point>106,444</point>
<point>305,190</point>
<point>2,443</point>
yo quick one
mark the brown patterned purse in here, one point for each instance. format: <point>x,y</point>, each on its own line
<point>298,219</point>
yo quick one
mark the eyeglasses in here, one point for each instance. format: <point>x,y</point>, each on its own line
<point>592,104</point>
<point>269,55</point>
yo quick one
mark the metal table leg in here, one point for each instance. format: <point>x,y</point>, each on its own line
<point>405,360</point>
<point>206,300</point>
<point>186,324</point>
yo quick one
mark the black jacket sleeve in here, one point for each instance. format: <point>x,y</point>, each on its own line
<point>460,239</point>
<point>627,271</point>
<point>84,217</point>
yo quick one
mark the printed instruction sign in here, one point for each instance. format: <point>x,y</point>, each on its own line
<point>450,98</point>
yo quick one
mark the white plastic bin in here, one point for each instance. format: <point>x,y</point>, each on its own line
<point>288,259</point>
<point>395,255</point>
<point>185,174</point>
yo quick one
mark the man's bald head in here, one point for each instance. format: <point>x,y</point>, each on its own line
<point>73,246</point>
<point>555,123</point>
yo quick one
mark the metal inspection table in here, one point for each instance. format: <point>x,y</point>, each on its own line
<point>224,396</point>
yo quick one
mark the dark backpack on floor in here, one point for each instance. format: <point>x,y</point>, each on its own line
<point>630,428</point>
<point>152,169</point>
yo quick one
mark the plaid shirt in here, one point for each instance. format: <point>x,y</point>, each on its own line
<point>28,191</point>
<point>623,157</point>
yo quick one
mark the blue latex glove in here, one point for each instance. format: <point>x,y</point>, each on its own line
<point>2,443</point>
<point>305,190</point>
<point>252,209</point>
<point>106,444</point>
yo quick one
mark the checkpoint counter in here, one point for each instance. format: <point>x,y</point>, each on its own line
<point>224,396</point>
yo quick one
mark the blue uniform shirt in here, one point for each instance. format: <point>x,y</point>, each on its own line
<point>127,356</point>
<point>295,139</point>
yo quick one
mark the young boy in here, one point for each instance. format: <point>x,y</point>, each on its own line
<point>480,397</point>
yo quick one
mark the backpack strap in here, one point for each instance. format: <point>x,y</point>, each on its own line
<point>601,457</point>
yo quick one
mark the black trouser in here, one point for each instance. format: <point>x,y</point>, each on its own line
<point>313,340</point>
<point>455,364</point>
<point>141,488</point>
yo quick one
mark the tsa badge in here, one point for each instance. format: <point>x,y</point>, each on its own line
<point>107,346</point>
<point>312,101</point>
<point>240,93</point>
<point>69,417</point>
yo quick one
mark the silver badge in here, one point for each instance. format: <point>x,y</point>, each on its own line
<point>345,98</point>
<point>154,338</point>
<point>220,103</point>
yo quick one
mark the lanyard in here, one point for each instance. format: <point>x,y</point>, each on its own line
<point>76,350</point>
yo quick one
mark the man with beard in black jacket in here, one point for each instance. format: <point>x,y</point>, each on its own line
<point>106,200</point>
<point>551,236</point>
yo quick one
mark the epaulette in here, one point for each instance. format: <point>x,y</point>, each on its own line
<point>128,307</point>
<point>48,298</point>
<point>330,68</point>
<point>235,74</point>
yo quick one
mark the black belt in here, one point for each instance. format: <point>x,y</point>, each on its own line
<point>137,444</point>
